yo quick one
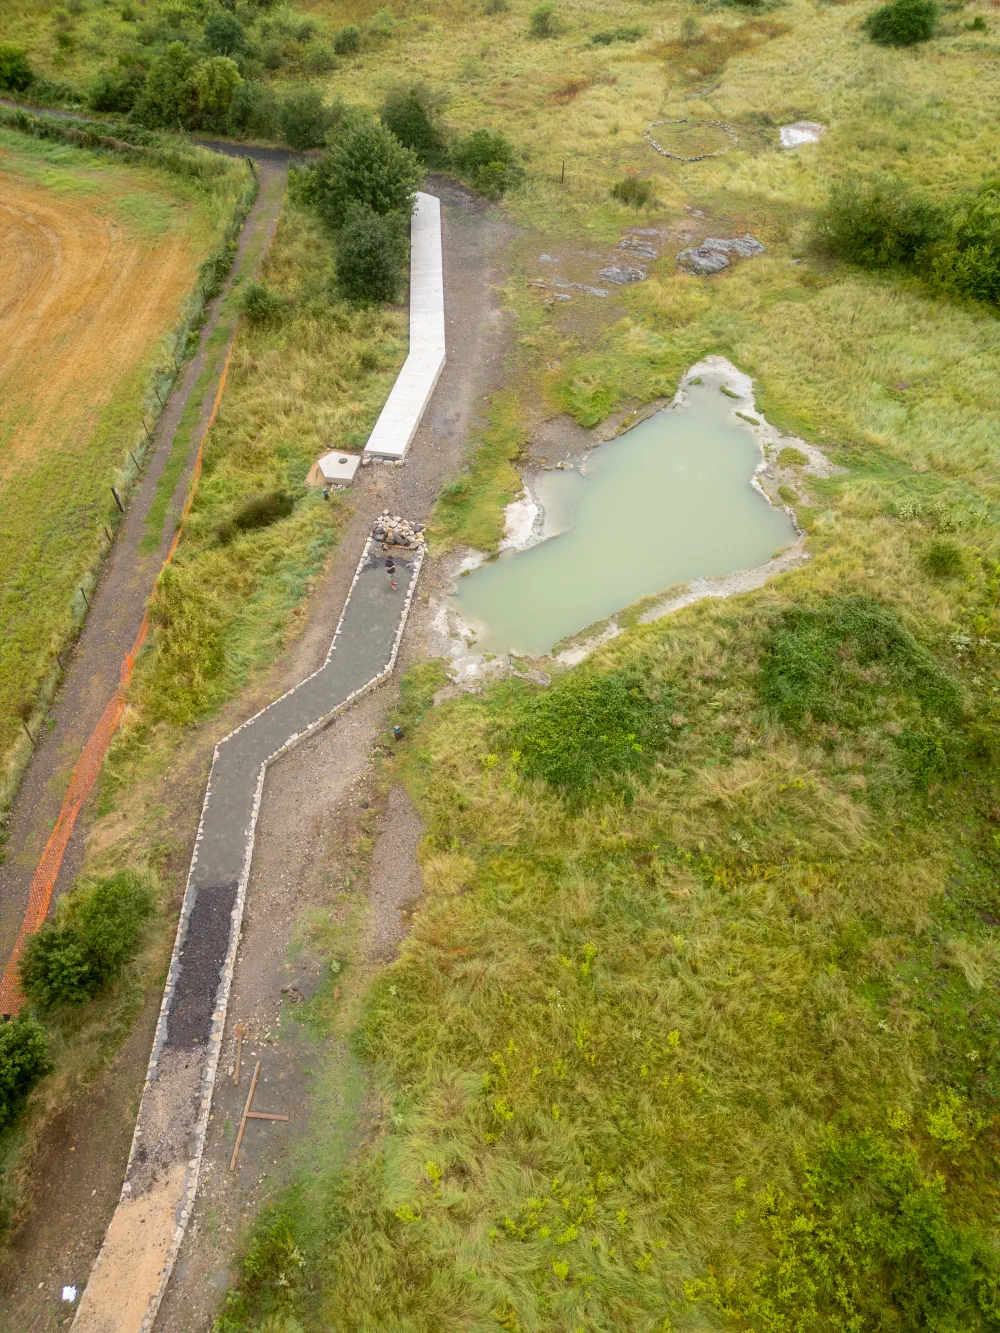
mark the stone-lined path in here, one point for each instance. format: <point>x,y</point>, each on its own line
<point>144,1235</point>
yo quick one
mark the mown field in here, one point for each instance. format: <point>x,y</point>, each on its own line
<point>98,265</point>
<point>695,1028</point>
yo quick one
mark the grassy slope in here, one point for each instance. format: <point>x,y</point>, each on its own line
<point>614,1029</point>
<point>73,500</point>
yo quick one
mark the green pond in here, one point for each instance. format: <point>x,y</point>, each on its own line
<point>669,501</point>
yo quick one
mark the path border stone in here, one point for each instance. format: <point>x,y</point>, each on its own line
<point>398,421</point>
<point>94,1314</point>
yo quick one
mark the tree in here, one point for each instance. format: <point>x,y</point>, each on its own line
<point>225,36</point>
<point>368,166</point>
<point>167,97</point>
<point>24,1060</point>
<point>116,89</point>
<point>215,83</point>
<point>411,114</point>
<point>304,119</point>
<point>15,72</point>
<point>253,110</point>
<point>368,257</point>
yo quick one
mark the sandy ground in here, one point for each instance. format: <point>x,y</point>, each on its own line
<point>310,824</point>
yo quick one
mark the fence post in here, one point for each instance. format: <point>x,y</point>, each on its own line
<point>118,501</point>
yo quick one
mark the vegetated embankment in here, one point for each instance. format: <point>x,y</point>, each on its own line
<point>106,259</point>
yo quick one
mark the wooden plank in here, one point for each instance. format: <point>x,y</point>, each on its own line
<point>265,1115</point>
<point>243,1122</point>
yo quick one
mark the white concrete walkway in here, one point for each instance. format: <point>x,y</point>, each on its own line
<point>405,405</point>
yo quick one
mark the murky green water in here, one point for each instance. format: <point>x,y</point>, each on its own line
<point>669,501</point>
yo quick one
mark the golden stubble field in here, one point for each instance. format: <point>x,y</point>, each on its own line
<point>96,261</point>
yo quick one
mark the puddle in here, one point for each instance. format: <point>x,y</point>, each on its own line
<point>672,500</point>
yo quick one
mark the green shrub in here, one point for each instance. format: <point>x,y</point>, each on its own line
<point>225,36</point>
<point>97,932</point>
<point>624,33</point>
<point>969,265</point>
<point>16,74</point>
<point>116,89</point>
<point>260,511</point>
<point>167,98</point>
<point>272,54</point>
<point>835,665</point>
<point>589,727</point>
<point>215,83</point>
<point>411,113</point>
<point>319,59</point>
<point>878,223</point>
<point>486,158</point>
<point>367,166</point>
<point>259,304</point>
<point>943,559</point>
<point>382,22</point>
<point>902,22</point>
<point>24,1060</point>
<point>304,119</point>
<point>253,111</point>
<point>636,191</point>
<point>496,6</point>
<point>347,42</point>
<point>866,1243</point>
<point>542,20</point>
<point>368,258</point>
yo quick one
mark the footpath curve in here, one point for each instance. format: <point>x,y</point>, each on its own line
<point>131,1273</point>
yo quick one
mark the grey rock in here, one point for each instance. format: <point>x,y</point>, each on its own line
<point>699,260</point>
<point>624,275</point>
<point>548,259</point>
<point>643,231</point>
<point>637,248</point>
<point>738,245</point>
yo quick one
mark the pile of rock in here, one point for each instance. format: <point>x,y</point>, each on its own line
<point>710,256</point>
<point>392,530</point>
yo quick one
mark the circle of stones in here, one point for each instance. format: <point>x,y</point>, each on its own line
<point>721,124</point>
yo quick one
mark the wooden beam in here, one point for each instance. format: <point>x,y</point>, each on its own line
<point>243,1122</point>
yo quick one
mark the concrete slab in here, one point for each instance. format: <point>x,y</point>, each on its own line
<point>415,383</point>
<point>338,469</point>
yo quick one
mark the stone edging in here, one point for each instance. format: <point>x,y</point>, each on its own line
<point>701,157</point>
<point>214,1046</point>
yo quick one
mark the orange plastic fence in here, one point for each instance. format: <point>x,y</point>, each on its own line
<point>87,767</point>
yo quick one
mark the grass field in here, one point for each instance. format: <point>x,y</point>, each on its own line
<point>702,1035</point>
<point>98,262</point>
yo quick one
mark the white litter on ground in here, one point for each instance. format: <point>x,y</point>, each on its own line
<point>802,131</point>
<point>69,1293</point>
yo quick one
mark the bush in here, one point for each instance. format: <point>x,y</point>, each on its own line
<point>259,303</point>
<point>836,665</point>
<point>902,22</point>
<point>303,119</point>
<point>486,158</point>
<point>168,98</point>
<point>625,33</point>
<point>588,727</point>
<point>23,1061</point>
<point>542,20</point>
<point>943,559</point>
<point>347,42</point>
<point>215,83</point>
<point>496,6</point>
<point>411,114</point>
<point>878,223</point>
<point>260,511</point>
<point>368,166</point>
<point>224,35</point>
<point>368,258</point>
<point>969,265</point>
<point>116,89</point>
<point>98,932</point>
<point>636,191</point>
<point>319,59</point>
<point>382,22</point>
<point>253,111</point>
<point>16,75</point>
